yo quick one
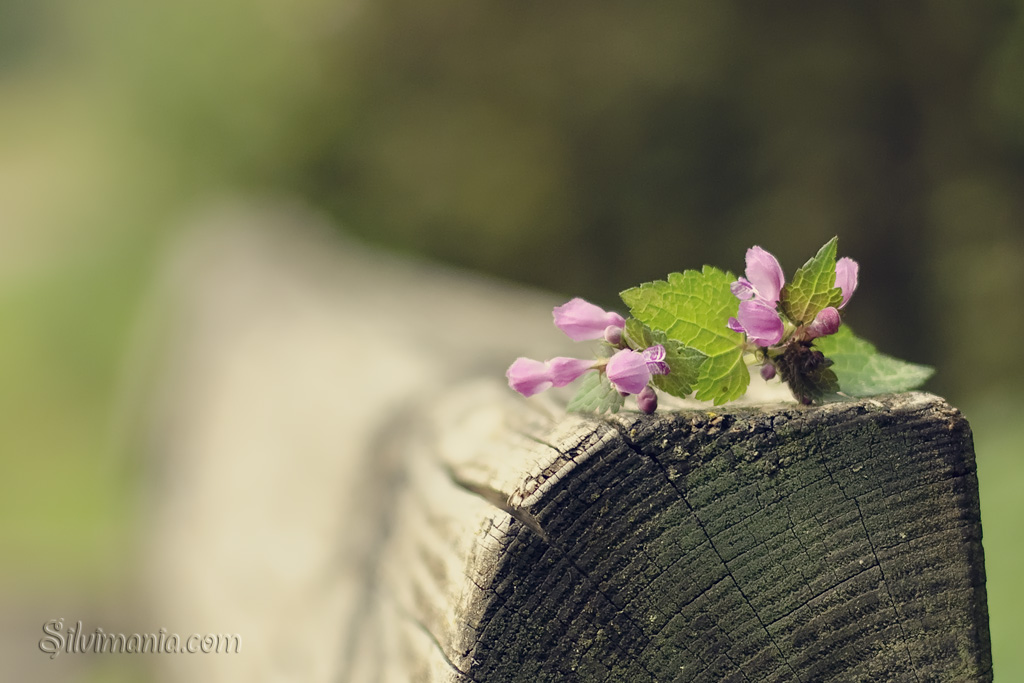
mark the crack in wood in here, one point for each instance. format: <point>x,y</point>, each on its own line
<point>597,590</point>
<point>711,543</point>
<point>878,563</point>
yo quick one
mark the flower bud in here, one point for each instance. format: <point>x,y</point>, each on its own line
<point>613,335</point>
<point>767,371</point>
<point>647,400</point>
<point>825,323</point>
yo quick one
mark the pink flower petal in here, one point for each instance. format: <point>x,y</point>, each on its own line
<point>654,353</point>
<point>582,320</point>
<point>658,367</point>
<point>742,289</point>
<point>765,274</point>
<point>529,377</point>
<point>627,370</point>
<point>565,370</point>
<point>761,322</point>
<point>846,277</point>
<point>655,359</point>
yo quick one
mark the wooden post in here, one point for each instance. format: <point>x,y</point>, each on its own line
<point>328,481</point>
<point>769,543</point>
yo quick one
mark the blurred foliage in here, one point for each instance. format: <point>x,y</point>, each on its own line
<point>998,434</point>
<point>581,147</point>
<point>588,147</point>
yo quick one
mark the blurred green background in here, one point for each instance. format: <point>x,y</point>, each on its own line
<point>580,147</point>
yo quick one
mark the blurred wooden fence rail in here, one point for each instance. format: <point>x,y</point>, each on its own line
<point>333,481</point>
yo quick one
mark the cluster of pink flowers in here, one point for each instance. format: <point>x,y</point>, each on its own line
<point>759,293</point>
<point>628,370</point>
<point>774,320</point>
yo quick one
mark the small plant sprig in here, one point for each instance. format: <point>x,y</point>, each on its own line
<point>697,332</point>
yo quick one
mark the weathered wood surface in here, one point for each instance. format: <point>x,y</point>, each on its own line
<point>286,352</point>
<point>330,482</point>
<point>775,543</point>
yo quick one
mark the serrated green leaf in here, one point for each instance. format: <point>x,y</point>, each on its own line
<point>863,371</point>
<point>693,308</point>
<point>683,362</point>
<point>596,395</point>
<point>813,286</point>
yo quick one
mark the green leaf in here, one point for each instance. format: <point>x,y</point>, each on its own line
<point>693,308</point>
<point>683,362</point>
<point>863,371</point>
<point>813,286</point>
<point>596,395</point>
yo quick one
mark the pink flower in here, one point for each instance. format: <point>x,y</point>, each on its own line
<point>764,278</point>
<point>759,321</point>
<point>846,277</point>
<point>582,320</point>
<point>629,371</point>
<point>759,294</point>
<point>529,377</point>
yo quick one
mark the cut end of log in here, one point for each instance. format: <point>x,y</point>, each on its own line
<point>767,543</point>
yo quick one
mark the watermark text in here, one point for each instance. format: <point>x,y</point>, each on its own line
<point>72,639</point>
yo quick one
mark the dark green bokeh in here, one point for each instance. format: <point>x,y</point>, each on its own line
<point>586,148</point>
